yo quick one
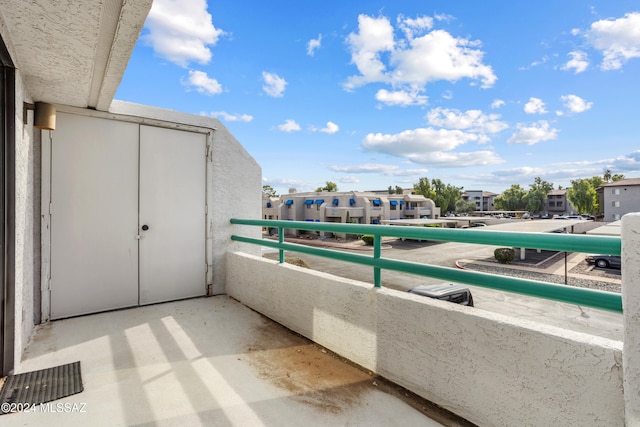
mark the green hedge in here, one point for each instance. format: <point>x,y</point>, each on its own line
<point>504,255</point>
<point>367,239</point>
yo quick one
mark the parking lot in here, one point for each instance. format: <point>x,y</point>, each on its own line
<point>569,316</point>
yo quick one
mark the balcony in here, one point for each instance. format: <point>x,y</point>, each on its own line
<point>220,360</point>
<point>210,362</point>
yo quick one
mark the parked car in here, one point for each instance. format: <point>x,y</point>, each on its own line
<point>604,261</point>
<point>452,292</point>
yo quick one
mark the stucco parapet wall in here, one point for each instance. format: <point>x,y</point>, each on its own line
<point>488,368</point>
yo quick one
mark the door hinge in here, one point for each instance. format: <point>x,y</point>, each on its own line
<point>50,208</point>
<point>49,284</point>
<point>206,209</point>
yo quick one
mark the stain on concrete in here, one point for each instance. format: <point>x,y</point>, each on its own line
<point>322,379</point>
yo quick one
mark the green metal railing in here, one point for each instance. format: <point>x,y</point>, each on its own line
<point>547,241</point>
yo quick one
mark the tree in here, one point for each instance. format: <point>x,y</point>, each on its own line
<point>424,187</point>
<point>537,195</point>
<point>512,199</point>
<point>596,181</point>
<point>268,191</point>
<point>329,186</point>
<point>617,177</point>
<point>390,190</point>
<point>462,206</point>
<point>607,175</point>
<point>582,195</point>
<point>399,190</point>
<point>446,195</point>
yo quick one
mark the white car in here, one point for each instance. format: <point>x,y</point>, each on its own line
<point>452,292</point>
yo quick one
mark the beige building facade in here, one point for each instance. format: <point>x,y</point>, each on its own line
<point>348,207</point>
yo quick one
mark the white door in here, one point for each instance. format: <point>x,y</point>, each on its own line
<point>108,180</point>
<point>172,208</point>
<point>94,210</point>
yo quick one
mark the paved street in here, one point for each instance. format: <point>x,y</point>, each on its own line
<point>582,319</point>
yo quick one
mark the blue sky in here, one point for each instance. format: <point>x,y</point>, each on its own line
<point>480,95</point>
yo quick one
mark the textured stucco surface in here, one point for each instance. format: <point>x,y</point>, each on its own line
<point>27,223</point>
<point>73,54</point>
<point>490,369</point>
<point>631,305</point>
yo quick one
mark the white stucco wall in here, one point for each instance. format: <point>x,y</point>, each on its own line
<point>488,368</point>
<point>630,232</point>
<point>27,223</point>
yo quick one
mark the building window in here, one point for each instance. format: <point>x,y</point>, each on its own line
<point>615,191</point>
<point>616,217</point>
<point>559,204</point>
<point>552,204</point>
<point>615,203</point>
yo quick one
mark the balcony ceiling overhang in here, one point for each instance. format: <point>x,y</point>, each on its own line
<point>72,52</point>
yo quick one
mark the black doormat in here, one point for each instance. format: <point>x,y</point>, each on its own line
<point>45,385</point>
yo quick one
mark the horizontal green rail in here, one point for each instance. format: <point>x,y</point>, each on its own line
<point>548,241</point>
<point>574,243</point>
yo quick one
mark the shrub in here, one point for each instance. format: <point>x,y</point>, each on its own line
<point>297,261</point>
<point>367,239</point>
<point>504,255</point>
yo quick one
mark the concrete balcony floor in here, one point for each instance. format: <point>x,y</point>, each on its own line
<point>210,361</point>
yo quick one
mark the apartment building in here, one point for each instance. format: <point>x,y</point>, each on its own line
<point>483,199</point>
<point>558,204</point>
<point>618,198</point>
<point>347,207</point>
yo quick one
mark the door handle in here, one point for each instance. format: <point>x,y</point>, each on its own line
<point>145,227</point>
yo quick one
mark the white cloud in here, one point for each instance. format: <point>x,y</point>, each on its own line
<point>232,117</point>
<point>430,147</point>
<point>375,36</point>
<point>411,26</point>
<point>414,61</point>
<point>330,128</point>
<point>181,31</point>
<point>289,126</point>
<point>366,168</point>
<point>534,106</point>
<point>617,39</point>
<point>530,135</point>
<point>313,45</point>
<point>400,97</point>
<point>578,62</point>
<point>203,83</point>
<point>541,61</point>
<point>421,140</point>
<point>497,103</point>
<point>458,159</point>
<point>282,182</point>
<point>349,179</point>
<point>472,120</point>
<point>627,162</point>
<point>387,170</point>
<point>274,85</point>
<point>575,104</point>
